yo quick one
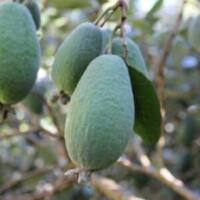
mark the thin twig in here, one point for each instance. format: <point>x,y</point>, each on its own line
<point>109,9</point>
<point>109,15</point>
<point>141,155</point>
<point>164,176</point>
<point>105,186</point>
<point>161,174</point>
<point>10,184</point>
<point>124,10</point>
<point>45,131</point>
<point>164,55</point>
<point>111,189</point>
<point>7,136</point>
<point>59,185</point>
<point>160,79</point>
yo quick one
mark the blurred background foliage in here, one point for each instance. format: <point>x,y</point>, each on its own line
<point>32,156</point>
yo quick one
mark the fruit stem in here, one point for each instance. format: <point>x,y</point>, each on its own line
<point>109,9</point>
<point>120,26</point>
<point>107,14</point>
<point>83,176</point>
<point>117,27</point>
<point>124,10</point>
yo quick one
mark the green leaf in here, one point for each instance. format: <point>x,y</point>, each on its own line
<point>147,117</point>
<point>155,8</point>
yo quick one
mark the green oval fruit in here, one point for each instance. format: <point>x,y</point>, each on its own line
<point>148,117</point>
<point>34,10</point>
<point>101,114</point>
<point>64,4</point>
<point>194,33</point>
<point>19,53</point>
<point>134,56</point>
<point>76,52</point>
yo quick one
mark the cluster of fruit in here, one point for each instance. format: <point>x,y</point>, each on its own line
<point>109,96</point>
<point>111,93</point>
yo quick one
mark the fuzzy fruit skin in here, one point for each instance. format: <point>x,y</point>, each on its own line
<point>101,114</point>
<point>134,58</point>
<point>194,33</point>
<point>76,52</point>
<point>34,10</point>
<point>19,53</point>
